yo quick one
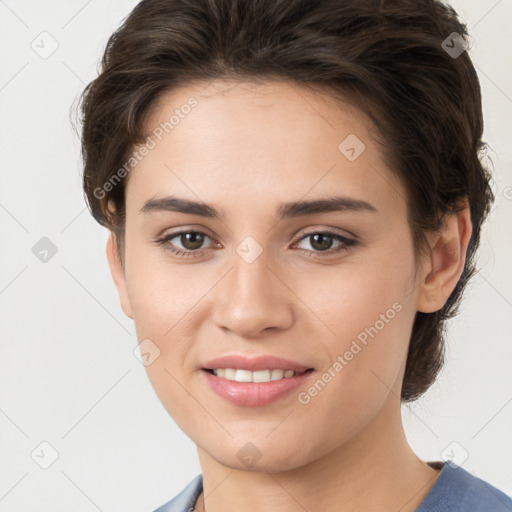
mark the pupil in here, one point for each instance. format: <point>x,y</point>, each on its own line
<point>195,239</point>
<point>321,246</point>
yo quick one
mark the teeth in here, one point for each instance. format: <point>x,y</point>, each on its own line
<point>277,374</point>
<point>261,376</point>
<point>229,374</point>
<point>257,376</point>
<point>243,376</point>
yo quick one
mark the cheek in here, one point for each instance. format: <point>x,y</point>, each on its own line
<point>362,295</point>
<point>370,313</point>
<point>160,293</point>
<point>163,299</point>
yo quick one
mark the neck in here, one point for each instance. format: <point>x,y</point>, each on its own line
<point>376,470</point>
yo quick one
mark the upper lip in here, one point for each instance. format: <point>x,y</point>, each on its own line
<point>264,362</point>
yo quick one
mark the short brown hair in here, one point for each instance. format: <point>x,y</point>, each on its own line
<point>391,58</point>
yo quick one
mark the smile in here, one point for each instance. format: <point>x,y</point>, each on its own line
<point>241,375</point>
<point>273,385</point>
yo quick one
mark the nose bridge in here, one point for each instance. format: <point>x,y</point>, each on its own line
<point>252,279</point>
<point>252,298</point>
<point>251,272</point>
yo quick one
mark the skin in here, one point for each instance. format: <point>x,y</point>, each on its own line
<point>246,148</point>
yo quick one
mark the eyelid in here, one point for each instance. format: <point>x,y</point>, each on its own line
<point>345,233</point>
<point>346,243</point>
<point>310,231</point>
<point>169,232</point>
<point>164,238</point>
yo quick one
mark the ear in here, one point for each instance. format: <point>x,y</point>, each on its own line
<point>117,271</point>
<point>443,269</point>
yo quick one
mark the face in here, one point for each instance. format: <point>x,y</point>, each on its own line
<point>327,286</point>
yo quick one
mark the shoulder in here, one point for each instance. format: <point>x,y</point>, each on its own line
<point>455,489</point>
<point>186,499</point>
<point>458,490</point>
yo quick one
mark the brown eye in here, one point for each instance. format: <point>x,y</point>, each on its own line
<point>322,241</point>
<point>190,243</point>
<point>191,240</point>
<point>186,243</point>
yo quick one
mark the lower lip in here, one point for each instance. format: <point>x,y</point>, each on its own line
<point>254,394</point>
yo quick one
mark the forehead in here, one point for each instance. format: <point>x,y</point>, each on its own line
<point>256,142</point>
<point>256,109</point>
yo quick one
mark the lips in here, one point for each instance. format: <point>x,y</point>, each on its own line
<point>253,364</point>
<point>254,394</point>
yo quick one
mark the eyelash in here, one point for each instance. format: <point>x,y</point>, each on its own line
<point>347,243</point>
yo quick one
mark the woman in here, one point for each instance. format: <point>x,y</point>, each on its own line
<point>295,198</point>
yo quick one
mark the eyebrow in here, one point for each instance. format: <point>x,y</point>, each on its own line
<point>285,210</point>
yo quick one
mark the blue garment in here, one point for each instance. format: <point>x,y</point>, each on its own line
<point>455,490</point>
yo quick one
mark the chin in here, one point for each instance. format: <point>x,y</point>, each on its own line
<point>260,454</point>
<point>273,463</point>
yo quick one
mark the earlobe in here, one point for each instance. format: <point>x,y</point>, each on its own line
<point>118,275</point>
<point>446,264</point>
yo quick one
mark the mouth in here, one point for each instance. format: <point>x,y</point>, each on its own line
<point>254,382</point>
<point>258,376</point>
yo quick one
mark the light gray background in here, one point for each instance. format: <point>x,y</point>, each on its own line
<point>68,375</point>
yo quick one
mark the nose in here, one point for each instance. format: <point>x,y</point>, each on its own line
<point>253,297</point>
